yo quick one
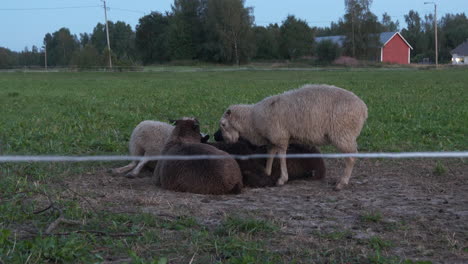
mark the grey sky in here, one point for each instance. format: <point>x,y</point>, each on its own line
<point>25,22</point>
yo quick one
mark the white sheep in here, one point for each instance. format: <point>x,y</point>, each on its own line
<point>313,115</point>
<point>147,139</point>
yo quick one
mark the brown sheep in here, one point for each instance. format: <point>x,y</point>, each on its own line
<point>253,170</point>
<point>208,176</point>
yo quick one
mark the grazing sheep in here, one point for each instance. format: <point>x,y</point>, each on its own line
<point>312,115</point>
<point>209,176</point>
<point>253,170</point>
<point>147,139</point>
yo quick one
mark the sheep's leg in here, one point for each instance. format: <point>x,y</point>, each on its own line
<point>272,150</point>
<point>284,168</point>
<point>157,176</point>
<point>349,164</point>
<point>137,169</point>
<point>124,168</point>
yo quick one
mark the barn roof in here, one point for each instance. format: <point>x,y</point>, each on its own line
<point>335,39</point>
<point>461,49</point>
<point>387,36</point>
<point>384,37</point>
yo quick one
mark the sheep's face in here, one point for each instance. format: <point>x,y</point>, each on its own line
<point>230,133</point>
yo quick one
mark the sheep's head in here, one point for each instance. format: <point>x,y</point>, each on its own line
<point>187,130</point>
<point>218,136</point>
<point>227,122</point>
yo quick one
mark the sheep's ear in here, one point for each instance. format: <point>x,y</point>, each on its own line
<point>228,112</point>
<point>196,125</point>
<point>204,138</point>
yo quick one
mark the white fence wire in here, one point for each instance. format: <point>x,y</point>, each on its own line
<point>393,155</point>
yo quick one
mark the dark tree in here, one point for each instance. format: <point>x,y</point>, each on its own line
<point>327,51</point>
<point>152,41</point>
<point>413,33</point>
<point>229,31</point>
<point>454,31</point>
<point>88,57</point>
<point>362,26</point>
<point>297,38</point>
<point>388,25</point>
<point>336,28</point>
<point>121,38</point>
<point>267,42</point>
<point>60,47</point>
<point>186,29</point>
<point>7,58</point>
<point>85,39</point>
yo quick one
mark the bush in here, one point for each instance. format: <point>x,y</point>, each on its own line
<point>327,51</point>
<point>87,58</point>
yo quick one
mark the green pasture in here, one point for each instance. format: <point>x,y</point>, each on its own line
<point>94,113</point>
<point>91,113</point>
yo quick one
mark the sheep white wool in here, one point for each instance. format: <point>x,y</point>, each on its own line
<point>147,139</point>
<point>313,115</point>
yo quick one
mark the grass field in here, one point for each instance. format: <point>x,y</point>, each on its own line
<point>94,113</point>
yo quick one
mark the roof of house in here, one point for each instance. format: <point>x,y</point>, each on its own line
<point>384,37</point>
<point>335,39</point>
<point>461,49</point>
<point>387,36</point>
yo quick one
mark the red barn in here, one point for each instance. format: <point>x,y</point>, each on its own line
<point>395,49</point>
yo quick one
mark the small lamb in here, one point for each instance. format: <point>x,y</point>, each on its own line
<point>147,139</point>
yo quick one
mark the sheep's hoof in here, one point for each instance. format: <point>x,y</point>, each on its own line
<point>130,175</point>
<point>112,172</point>
<point>339,186</point>
<point>280,182</point>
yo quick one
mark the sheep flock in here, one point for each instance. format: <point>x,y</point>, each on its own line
<point>294,122</point>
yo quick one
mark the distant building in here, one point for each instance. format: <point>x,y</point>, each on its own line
<point>460,54</point>
<point>394,47</point>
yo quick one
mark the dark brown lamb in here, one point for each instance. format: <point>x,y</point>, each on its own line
<point>208,176</point>
<point>253,170</point>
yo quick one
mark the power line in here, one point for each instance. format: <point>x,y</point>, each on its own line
<point>47,8</point>
<point>128,10</point>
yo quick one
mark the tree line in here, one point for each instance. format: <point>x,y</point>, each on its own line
<point>223,31</point>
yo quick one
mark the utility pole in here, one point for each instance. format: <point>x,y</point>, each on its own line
<point>352,26</point>
<point>45,56</point>
<point>435,33</point>
<point>107,34</point>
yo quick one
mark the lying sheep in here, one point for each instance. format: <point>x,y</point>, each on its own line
<point>208,176</point>
<point>147,139</point>
<point>312,115</point>
<point>253,170</point>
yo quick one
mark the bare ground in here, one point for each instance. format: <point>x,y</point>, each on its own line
<point>422,214</point>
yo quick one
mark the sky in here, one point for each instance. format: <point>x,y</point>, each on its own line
<point>24,23</point>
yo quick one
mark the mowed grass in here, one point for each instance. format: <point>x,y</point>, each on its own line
<point>95,113</point>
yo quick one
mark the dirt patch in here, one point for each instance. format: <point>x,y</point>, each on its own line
<point>421,213</point>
